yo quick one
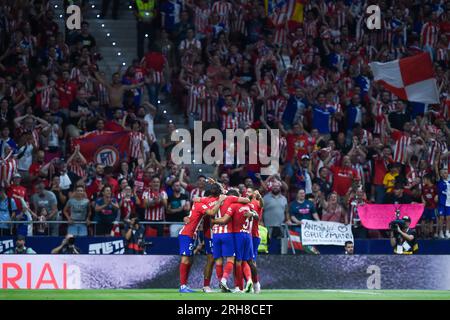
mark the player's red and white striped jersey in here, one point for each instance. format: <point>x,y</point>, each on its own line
<point>402,143</point>
<point>238,20</point>
<point>102,94</point>
<point>434,147</point>
<point>246,110</point>
<point>223,9</point>
<point>192,44</point>
<point>278,20</point>
<point>429,34</point>
<point>193,94</point>
<point>311,28</point>
<point>7,169</point>
<point>156,77</point>
<point>275,108</point>
<point>241,223</point>
<point>254,205</point>
<point>156,212</point>
<point>334,124</point>
<point>380,121</point>
<point>201,17</point>
<point>196,193</point>
<point>196,216</point>
<point>136,139</point>
<point>208,106</point>
<point>227,228</point>
<point>230,120</point>
<point>43,98</point>
<point>77,169</point>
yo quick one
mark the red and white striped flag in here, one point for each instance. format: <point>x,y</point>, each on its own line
<point>295,240</point>
<point>410,78</point>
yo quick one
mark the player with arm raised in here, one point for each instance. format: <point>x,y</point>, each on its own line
<point>187,235</point>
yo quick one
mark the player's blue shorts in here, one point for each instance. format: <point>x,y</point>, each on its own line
<point>208,246</point>
<point>444,211</point>
<point>187,245</point>
<point>429,214</point>
<point>243,243</point>
<point>256,242</point>
<point>223,244</point>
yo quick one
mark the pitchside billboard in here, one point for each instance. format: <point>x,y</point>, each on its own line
<point>276,272</point>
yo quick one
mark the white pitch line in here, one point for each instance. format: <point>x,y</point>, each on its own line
<point>350,291</point>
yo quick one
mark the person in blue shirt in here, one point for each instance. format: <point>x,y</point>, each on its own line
<point>170,14</point>
<point>8,209</point>
<point>295,108</point>
<point>6,140</point>
<point>302,209</point>
<point>322,115</point>
<point>443,187</point>
<point>354,116</point>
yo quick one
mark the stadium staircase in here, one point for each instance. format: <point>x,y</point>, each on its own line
<point>118,50</point>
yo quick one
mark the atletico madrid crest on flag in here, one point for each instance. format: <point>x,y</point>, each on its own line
<point>107,147</point>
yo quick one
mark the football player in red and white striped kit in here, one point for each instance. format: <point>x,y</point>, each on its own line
<point>155,204</point>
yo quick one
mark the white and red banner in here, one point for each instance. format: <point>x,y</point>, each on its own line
<point>325,233</point>
<point>410,78</point>
<point>295,241</point>
<point>378,216</point>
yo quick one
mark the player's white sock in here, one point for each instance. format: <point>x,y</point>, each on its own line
<point>257,287</point>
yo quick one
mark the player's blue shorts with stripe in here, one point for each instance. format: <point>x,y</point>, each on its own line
<point>187,245</point>
<point>244,246</point>
<point>256,242</point>
<point>444,211</point>
<point>208,246</point>
<point>429,214</point>
<point>223,244</point>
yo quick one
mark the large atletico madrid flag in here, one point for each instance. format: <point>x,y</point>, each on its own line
<point>107,147</point>
<point>410,78</point>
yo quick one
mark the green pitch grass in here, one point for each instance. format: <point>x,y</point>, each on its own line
<point>171,294</point>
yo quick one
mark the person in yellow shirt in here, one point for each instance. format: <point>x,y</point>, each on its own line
<point>389,178</point>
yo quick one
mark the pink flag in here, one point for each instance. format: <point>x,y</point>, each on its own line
<point>378,216</point>
<point>410,78</point>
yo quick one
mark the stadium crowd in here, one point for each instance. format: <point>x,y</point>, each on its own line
<point>345,140</point>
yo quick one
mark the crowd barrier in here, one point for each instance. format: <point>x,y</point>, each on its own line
<point>333,272</point>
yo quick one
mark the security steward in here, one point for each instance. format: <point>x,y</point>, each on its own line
<point>145,12</point>
<point>403,239</point>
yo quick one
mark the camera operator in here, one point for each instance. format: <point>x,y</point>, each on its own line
<point>20,247</point>
<point>403,239</point>
<point>67,246</point>
<point>134,235</point>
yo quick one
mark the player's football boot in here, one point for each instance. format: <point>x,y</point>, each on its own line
<point>207,290</point>
<point>186,289</point>
<point>224,286</point>
<point>248,286</point>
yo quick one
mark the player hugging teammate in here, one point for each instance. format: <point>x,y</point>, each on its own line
<point>234,241</point>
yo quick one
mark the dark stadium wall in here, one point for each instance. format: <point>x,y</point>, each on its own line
<point>334,272</point>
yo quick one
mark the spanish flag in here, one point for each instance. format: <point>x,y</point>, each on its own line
<point>297,14</point>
